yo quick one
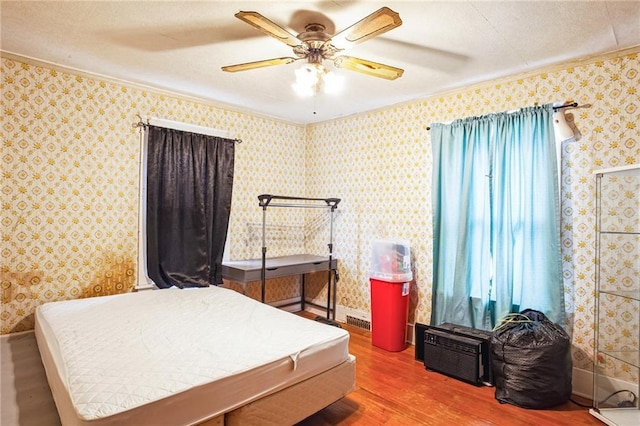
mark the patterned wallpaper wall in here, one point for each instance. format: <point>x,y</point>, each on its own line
<point>382,170</point>
<point>70,170</point>
<point>69,187</point>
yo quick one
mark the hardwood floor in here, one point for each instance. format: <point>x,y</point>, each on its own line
<point>392,388</point>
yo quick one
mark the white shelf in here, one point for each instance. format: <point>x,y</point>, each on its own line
<point>629,170</point>
<point>617,416</point>
<point>617,357</point>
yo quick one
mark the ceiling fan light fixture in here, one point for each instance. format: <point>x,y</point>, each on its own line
<point>332,83</point>
<point>313,78</point>
<point>307,80</point>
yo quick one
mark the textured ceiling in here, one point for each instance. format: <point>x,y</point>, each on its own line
<point>180,45</point>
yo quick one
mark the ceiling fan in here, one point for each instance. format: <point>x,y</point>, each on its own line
<point>315,45</point>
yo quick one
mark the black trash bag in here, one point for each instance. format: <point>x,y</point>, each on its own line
<point>531,360</point>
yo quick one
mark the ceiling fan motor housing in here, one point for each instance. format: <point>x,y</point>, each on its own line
<point>316,44</point>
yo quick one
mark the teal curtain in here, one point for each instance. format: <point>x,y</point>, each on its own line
<point>496,245</point>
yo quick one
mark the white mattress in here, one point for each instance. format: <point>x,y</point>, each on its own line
<point>175,356</point>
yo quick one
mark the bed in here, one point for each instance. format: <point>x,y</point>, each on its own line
<point>184,357</point>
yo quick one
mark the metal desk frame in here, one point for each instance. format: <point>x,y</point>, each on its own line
<point>265,201</point>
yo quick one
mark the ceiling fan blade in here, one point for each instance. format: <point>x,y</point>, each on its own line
<point>380,21</point>
<point>368,67</point>
<point>268,27</point>
<point>258,64</point>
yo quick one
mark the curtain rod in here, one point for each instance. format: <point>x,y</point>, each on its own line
<point>186,127</point>
<point>571,105</point>
<point>555,108</point>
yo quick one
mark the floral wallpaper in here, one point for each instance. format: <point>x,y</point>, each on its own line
<point>382,162</point>
<point>70,170</point>
<point>70,181</point>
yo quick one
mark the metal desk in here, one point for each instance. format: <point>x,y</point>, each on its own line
<point>245,271</point>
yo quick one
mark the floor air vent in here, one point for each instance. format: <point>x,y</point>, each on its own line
<point>360,323</point>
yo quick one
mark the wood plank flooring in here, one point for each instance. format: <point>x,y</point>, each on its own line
<point>392,388</point>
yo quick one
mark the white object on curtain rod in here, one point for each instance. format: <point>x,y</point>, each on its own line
<point>143,281</point>
<point>563,131</point>
<point>186,127</point>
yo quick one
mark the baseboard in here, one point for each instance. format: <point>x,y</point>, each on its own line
<point>411,333</point>
<point>144,287</point>
<point>582,383</point>
<point>342,312</point>
<point>354,317</point>
<point>290,305</point>
<point>316,310</point>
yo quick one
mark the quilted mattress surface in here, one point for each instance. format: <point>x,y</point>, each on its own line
<point>209,350</point>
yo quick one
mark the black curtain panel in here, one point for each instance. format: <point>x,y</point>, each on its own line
<point>189,184</point>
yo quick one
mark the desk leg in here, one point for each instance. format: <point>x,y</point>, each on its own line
<point>302,292</point>
<point>329,291</point>
<point>335,293</point>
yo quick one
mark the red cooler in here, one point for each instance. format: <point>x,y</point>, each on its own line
<point>390,280</point>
